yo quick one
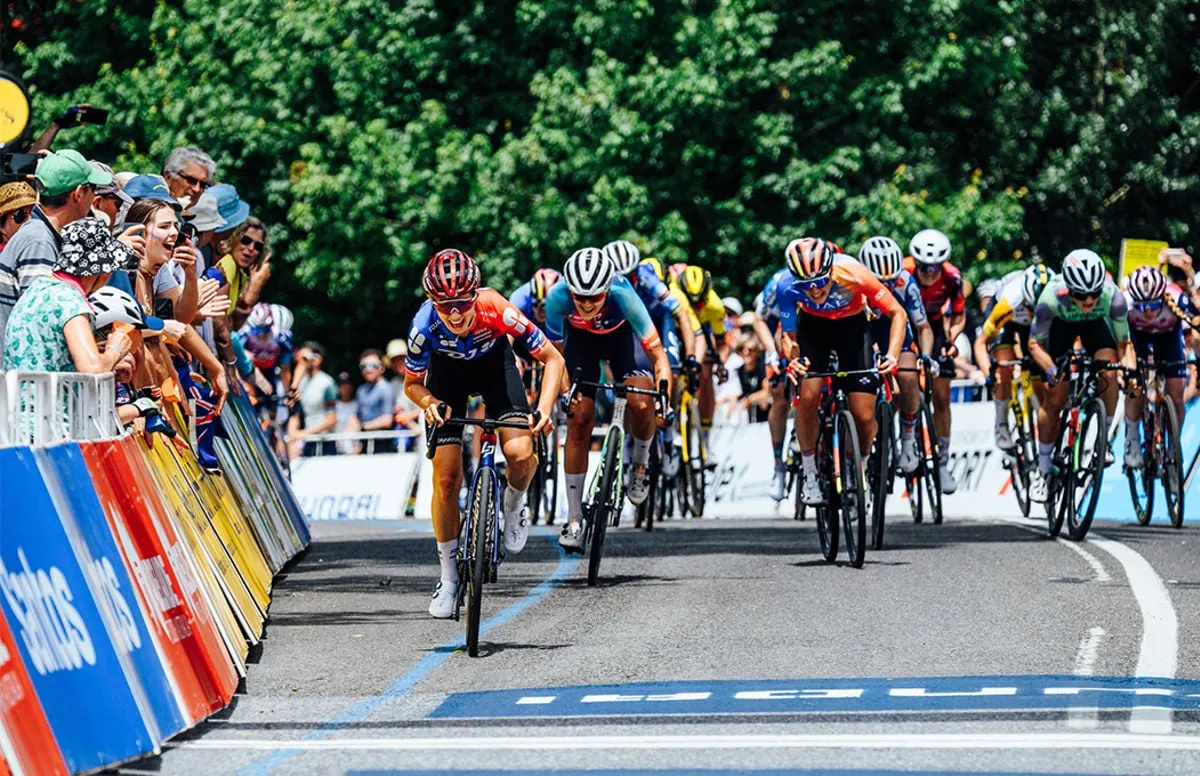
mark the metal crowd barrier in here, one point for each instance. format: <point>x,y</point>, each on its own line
<point>40,408</point>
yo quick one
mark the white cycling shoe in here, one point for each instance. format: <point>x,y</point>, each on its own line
<point>571,537</point>
<point>516,529</point>
<point>909,458</point>
<point>1004,439</point>
<point>779,484</point>
<point>1133,454</point>
<point>810,491</point>
<point>1039,488</point>
<point>444,595</point>
<point>671,462</point>
<point>948,483</point>
<point>639,485</point>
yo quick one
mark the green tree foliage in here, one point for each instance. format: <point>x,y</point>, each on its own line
<point>370,134</point>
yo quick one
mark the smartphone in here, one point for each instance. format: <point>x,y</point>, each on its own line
<point>18,165</point>
<point>164,308</point>
<point>94,116</point>
<point>215,273</point>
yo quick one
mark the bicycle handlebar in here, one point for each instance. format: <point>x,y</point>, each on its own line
<point>487,424</point>
<point>620,390</point>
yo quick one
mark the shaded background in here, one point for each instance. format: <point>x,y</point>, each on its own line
<point>369,134</point>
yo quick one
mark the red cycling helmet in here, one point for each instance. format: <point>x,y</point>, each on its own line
<point>450,274</point>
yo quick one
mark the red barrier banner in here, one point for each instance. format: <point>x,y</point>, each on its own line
<point>156,555</point>
<point>29,742</point>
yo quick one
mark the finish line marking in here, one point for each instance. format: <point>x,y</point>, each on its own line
<point>847,741</point>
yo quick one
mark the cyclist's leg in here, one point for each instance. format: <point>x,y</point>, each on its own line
<point>449,382</point>
<point>1002,350</point>
<point>941,406</point>
<point>1135,400</point>
<point>1171,349</point>
<point>856,350</point>
<point>706,394</point>
<point>815,346</point>
<point>1062,339</point>
<point>639,408</point>
<point>777,424</point>
<point>1098,340</point>
<point>582,353</point>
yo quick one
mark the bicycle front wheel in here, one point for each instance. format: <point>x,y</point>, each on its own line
<point>1021,458</point>
<point>827,518</point>
<point>1090,446</point>
<point>695,462</point>
<point>1170,452</point>
<point>606,499</point>
<point>931,468</point>
<point>537,484</point>
<point>879,472</point>
<point>481,514</point>
<point>646,510</point>
<point>550,481</point>
<point>851,497</point>
<point>1141,481</point>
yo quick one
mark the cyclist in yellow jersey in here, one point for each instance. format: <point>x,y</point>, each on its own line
<point>706,309</point>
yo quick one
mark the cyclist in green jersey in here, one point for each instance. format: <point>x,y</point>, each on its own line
<point>1083,303</point>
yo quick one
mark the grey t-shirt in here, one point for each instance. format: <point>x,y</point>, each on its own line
<point>29,255</point>
<point>375,400</point>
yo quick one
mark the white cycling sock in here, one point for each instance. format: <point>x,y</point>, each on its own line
<point>1001,411</point>
<point>641,451</point>
<point>1045,456</point>
<point>446,559</point>
<point>575,496</point>
<point>809,461</point>
<point>512,499</point>
<point>1133,429</point>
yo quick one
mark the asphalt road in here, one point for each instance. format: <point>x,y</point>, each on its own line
<point>727,646</point>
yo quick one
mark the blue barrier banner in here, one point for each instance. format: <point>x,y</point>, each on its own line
<point>58,626</point>
<point>68,481</point>
<point>1116,503</point>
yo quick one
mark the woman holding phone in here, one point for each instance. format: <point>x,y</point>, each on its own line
<point>246,262</point>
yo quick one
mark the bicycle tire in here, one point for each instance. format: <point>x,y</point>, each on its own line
<point>534,494</point>
<point>1171,455</point>
<point>932,473</point>
<point>916,501</point>
<point>603,502</point>
<point>1092,418</point>
<point>550,483</point>
<point>483,493</point>
<point>1141,482</point>
<point>878,470</point>
<point>695,463</point>
<point>1018,460</point>
<point>1056,479</point>
<point>645,510</point>
<point>852,498</point>
<point>827,521</point>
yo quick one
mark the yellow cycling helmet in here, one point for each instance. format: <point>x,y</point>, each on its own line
<point>696,283</point>
<point>657,266</point>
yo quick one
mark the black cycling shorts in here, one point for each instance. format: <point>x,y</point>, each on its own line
<point>849,337</point>
<point>1168,348</point>
<point>584,350</point>
<point>1012,335</point>
<point>494,376</point>
<point>1095,335</point>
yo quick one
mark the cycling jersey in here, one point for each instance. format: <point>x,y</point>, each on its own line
<point>710,311</point>
<point>1163,319</point>
<point>907,291</point>
<point>654,293</point>
<point>947,290</point>
<point>854,288</point>
<point>767,305</point>
<point>1009,307</point>
<point>1055,303</point>
<point>621,305</point>
<point>267,352</point>
<point>495,320</point>
<point>522,299</point>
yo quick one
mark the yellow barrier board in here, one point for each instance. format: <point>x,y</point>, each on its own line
<point>1138,253</point>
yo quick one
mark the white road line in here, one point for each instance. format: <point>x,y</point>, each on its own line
<point>1159,654</point>
<point>782,741</point>
<point>1085,664</point>
<point>1090,559</point>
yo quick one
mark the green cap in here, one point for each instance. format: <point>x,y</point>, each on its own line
<point>61,172</point>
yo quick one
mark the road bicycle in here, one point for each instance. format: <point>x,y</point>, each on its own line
<point>605,494</point>
<point>543,488</point>
<point>480,549</point>
<point>1021,458</point>
<point>840,469</point>
<point>881,460</point>
<point>692,448</point>
<point>1162,454</point>
<point>924,485</point>
<point>1073,488</point>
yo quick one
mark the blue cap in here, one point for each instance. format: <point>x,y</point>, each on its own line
<point>152,323</point>
<point>230,206</point>
<point>150,187</point>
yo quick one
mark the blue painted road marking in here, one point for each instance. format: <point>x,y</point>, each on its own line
<point>706,772</point>
<point>970,693</point>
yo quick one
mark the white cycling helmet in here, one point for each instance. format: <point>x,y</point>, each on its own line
<point>624,255</point>
<point>588,272</point>
<point>1034,281</point>
<point>732,306</point>
<point>882,256</point>
<point>930,246</point>
<point>1147,284</point>
<point>113,305</point>
<point>284,320</point>
<point>1083,272</point>
<point>989,288</point>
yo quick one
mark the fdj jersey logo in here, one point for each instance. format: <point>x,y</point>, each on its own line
<point>50,626</point>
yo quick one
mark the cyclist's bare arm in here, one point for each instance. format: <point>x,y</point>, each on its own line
<point>556,373</point>
<point>686,335</point>
<point>764,335</point>
<point>897,332</point>
<point>925,338</point>
<point>958,322</point>
<point>788,347</point>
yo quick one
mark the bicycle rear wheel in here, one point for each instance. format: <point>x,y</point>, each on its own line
<point>1019,459</point>
<point>645,510</point>
<point>912,482</point>
<point>1059,480</point>
<point>1091,445</point>
<point>536,485</point>
<point>482,506</point>
<point>605,499</point>
<point>879,472</point>
<point>1141,482</point>
<point>827,519</point>
<point>932,469</point>
<point>550,481</point>
<point>851,497</point>
<point>695,462</point>
<point>1171,455</point>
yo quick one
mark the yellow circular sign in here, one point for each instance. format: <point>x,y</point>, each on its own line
<point>14,109</point>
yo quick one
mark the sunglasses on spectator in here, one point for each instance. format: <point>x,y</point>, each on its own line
<point>456,307</point>
<point>370,365</point>
<point>1085,297</point>
<point>311,357</point>
<point>813,284</point>
<point>589,299</point>
<point>195,181</point>
<point>249,241</point>
<point>19,216</point>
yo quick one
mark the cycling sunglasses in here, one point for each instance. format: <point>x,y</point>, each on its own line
<point>1092,297</point>
<point>248,240</point>
<point>456,307</point>
<point>813,284</point>
<point>19,216</point>
<point>929,269</point>
<point>1151,306</point>
<point>590,298</point>
<point>260,331</point>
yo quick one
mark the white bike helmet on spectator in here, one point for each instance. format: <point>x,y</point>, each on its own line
<point>1147,284</point>
<point>588,272</point>
<point>113,305</point>
<point>1083,272</point>
<point>929,246</point>
<point>624,256</point>
<point>1034,281</point>
<point>882,256</point>
<point>732,306</point>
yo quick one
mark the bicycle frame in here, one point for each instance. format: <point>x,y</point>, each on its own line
<point>487,461</point>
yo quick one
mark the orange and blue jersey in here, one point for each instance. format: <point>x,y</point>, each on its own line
<point>854,289</point>
<point>945,294</point>
<point>495,320</point>
<point>623,305</point>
